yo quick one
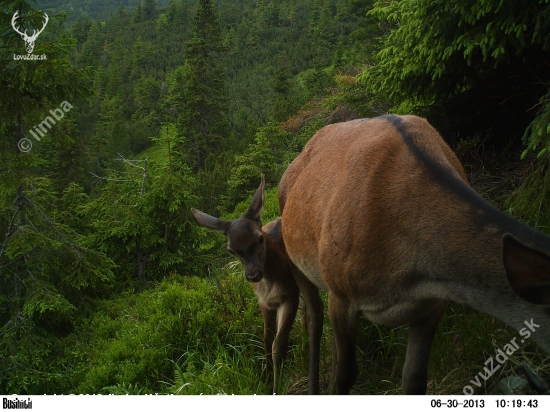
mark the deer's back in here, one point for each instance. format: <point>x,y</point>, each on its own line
<point>353,203</point>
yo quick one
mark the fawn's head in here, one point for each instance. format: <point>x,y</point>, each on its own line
<point>245,238</point>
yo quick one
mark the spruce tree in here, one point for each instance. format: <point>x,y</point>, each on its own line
<point>149,9</point>
<point>203,124</point>
<point>47,275</point>
<point>139,14</point>
<point>284,102</point>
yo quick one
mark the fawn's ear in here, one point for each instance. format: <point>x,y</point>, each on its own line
<point>257,204</point>
<point>527,270</point>
<point>212,222</point>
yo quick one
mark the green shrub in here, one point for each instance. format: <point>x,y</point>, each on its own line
<point>529,202</point>
<point>141,340</point>
<point>271,206</point>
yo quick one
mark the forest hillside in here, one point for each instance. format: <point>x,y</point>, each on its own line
<point>136,111</point>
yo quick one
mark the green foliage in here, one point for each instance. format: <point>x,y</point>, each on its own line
<point>231,369</point>
<point>169,201</point>
<point>271,153</point>
<point>316,81</point>
<point>203,120</point>
<point>271,206</point>
<point>529,201</point>
<point>187,330</point>
<point>143,78</point>
<point>138,16</point>
<point>147,91</point>
<point>124,389</point>
<point>149,8</point>
<point>98,9</point>
<point>47,277</point>
<point>287,98</point>
<point>537,134</point>
<point>142,218</point>
<point>468,66</point>
<point>349,100</point>
<point>30,90</point>
<point>419,56</point>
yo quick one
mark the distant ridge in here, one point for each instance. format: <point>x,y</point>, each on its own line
<point>96,9</point>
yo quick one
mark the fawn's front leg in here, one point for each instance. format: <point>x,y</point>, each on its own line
<point>270,330</point>
<point>286,313</point>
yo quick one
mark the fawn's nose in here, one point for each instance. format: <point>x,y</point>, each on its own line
<point>254,276</point>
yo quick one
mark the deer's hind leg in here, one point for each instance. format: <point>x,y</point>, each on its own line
<point>314,313</point>
<point>343,319</point>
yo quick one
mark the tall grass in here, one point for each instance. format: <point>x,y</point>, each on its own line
<point>206,330</point>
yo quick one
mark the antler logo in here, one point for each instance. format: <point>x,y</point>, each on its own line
<point>29,40</point>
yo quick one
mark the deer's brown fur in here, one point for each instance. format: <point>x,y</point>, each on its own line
<point>379,214</point>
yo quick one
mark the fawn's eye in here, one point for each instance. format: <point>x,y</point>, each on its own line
<point>261,239</point>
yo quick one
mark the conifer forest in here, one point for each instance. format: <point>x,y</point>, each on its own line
<point>126,114</point>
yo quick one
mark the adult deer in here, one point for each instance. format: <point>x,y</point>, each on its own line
<point>379,213</point>
<point>275,280</point>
